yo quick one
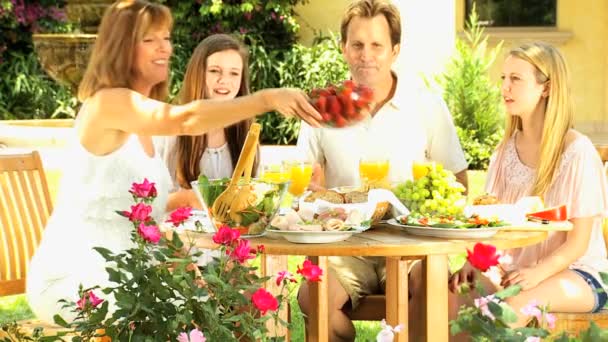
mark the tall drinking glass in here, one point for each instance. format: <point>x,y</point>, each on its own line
<point>300,173</point>
<point>373,172</point>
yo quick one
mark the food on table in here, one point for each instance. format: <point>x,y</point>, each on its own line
<point>447,221</point>
<point>530,204</point>
<point>333,219</point>
<point>485,199</point>
<point>326,195</point>
<point>333,196</point>
<point>559,213</point>
<point>342,105</point>
<point>264,202</point>
<point>355,197</point>
<point>435,193</point>
<point>333,224</point>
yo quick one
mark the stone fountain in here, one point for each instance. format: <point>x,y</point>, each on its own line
<point>65,56</point>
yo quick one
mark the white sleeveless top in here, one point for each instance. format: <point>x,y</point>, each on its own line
<point>215,162</point>
<point>92,189</point>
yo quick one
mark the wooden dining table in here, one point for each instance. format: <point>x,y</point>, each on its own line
<point>398,247</point>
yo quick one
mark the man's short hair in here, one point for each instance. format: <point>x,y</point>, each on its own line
<point>370,9</point>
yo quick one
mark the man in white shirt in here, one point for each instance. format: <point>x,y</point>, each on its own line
<point>407,124</point>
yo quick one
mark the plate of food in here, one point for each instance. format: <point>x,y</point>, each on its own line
<point>450,227</point>
<point>304,236</point>
<point>326,226</point>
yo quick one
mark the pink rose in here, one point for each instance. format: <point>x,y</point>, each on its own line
<point>195,336</point>
<point>242,252</point>
<point>81,302</point>
<point>93,299</point>
<point>139,212</point>
<point>310,271</point>
<point>285,275</point>
<point>143,190</point>
<point>149,233</point>
<point>226,236</point>
<point>264,301</point>
<point>180,215</point>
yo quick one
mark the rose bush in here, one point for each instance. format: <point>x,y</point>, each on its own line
<point>160,292</point>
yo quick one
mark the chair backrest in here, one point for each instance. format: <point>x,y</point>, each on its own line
<point>25,205</point>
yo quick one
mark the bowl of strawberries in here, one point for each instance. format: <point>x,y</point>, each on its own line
<point>342,105</point>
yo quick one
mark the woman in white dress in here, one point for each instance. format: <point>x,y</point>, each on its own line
<point>218,69</point>
<point>121,91</point>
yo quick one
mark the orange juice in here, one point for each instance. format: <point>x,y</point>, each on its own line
<point>300,174</point>
<point>373,171</point>
<point>420,170</point>
<point>275,173</point>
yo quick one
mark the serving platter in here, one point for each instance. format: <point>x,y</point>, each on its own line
<point>448,233</point>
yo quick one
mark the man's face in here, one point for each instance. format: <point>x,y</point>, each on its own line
<point>368,50</point>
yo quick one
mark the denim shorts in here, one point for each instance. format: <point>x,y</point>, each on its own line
<point>600,294</point>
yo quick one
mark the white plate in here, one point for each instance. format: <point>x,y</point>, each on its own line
<point>449,233</point>
<point>300,236</point>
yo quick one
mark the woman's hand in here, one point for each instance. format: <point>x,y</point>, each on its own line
<point>466,274</point>
<point>292,102</point>
<point>527,278</point>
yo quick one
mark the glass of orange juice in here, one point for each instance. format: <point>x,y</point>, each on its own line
<point>300,173</point>
<point>374,172</point>
<point>275,173</point>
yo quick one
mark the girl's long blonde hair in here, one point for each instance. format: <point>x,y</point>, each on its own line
<point>550,67</point>
<point>111,63</point>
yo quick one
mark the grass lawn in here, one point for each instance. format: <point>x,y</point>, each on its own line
<point>16,307</point>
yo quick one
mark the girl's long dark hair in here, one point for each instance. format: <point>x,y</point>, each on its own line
<point>189,149</point>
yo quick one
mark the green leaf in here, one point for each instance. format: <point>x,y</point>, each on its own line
<point>508,292</point>
<point>456,261</point>
<point>60,321</point>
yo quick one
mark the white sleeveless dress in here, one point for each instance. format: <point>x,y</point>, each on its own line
<point>92,189</point>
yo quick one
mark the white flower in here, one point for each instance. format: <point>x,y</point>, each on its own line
<point>387,334</point>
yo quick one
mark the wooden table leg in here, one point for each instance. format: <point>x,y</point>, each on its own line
<point>435,275</point>
<point>318,319</point>
<point>397,295</point>
<point>270,266</point>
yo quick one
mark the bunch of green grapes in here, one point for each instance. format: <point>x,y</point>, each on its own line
<point>436,193</point>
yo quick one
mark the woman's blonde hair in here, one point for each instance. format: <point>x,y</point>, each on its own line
<point>111,63</point>
<point>189,150</point>
<point>550,68</point>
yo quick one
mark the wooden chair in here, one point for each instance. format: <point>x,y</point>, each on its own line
<point>25,205</point>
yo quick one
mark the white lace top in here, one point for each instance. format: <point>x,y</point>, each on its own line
<point>579,183</point>
<point>215,162</point>
<point>92,189</point>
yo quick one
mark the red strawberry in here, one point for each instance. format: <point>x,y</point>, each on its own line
<point>349,108</point>
<point>333,105</point>
<point>349,84</point>
<point>340,121</point>
<point>326,117</point>
<point>321,104</point>
<point>366,93</point>
<point>324,92</point>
